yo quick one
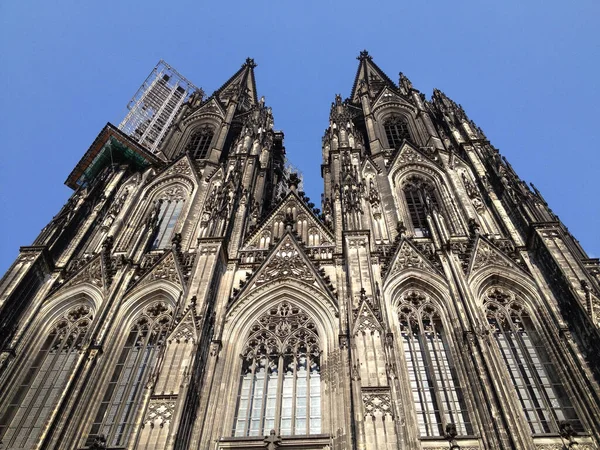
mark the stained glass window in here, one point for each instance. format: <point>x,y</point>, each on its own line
<point>44,380</point>
<point>420,197</point>
<point>280,383</point>
<point>437,395</point>
<point>123,395</point>
<point>199,144</point>
<point>540,392</point>
<point>396,130</point>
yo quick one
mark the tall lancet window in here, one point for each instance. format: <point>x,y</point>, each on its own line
<point>420,197</point>
<point>43,381</point>
<point>280,381</point>
<point>437,395</point>
<point>121,401</point>
<point>199,143</point>
<point>539,390</point>
<point>396,130</point>
<point>167,209</point>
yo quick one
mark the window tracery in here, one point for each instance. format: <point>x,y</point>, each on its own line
<point>167,208</point>
<point>44,379</point>
<point>199,143</point>
<point>437,395</point>
<point>396,130</point>
<point>123,395</point>
<point>420,198</point>
<point>280,383</point>
<point>540,392</point>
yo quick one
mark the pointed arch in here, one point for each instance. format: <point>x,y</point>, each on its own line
<point>418,309</point>
<point>274,360</point>
<point>515,316</point>
<point>136,339</point>
<point>421,188</point>
<point>54,348</point>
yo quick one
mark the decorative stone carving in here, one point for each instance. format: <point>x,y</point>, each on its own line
<point>286,262</point>
<point>284,329</point>
<point>164,270</point>
<point>408,258</point>
<point>185,330</point>
<point>408,155</point>
<point>91,273</point>
<point>160,411</point>
<point>486,255</point>
<point>181,167</point>
<point>377,403</point>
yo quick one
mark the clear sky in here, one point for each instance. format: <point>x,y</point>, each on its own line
<point>527,72</point>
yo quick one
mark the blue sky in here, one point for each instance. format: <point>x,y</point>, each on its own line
<point>526,72</point>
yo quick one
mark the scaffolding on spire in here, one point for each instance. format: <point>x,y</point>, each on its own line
<point>155,104</point>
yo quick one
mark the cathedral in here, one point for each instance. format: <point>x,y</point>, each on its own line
<point>189,295</point>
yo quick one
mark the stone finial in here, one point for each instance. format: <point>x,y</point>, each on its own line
<point>249,63</point>
<point>364,55</point>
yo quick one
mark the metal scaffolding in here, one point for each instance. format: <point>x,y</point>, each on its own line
<point>155,104</point>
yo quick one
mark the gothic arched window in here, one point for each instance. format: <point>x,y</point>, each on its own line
<point>420,197</point>
<point>531,371</point>
<point>199,143</point>
<point>437,395</point>
<point>396,130</point>
<point>167,209</point>
<point>280,383</point>
<point>44,380</point>
<point>122,397</point>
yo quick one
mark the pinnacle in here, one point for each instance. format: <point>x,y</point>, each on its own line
<point>364,55</point>
<point>249,63</point>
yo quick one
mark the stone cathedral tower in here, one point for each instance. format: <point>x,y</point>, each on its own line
<point>194,298</point>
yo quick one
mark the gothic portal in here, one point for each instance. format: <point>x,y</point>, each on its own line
<point>190,296</point>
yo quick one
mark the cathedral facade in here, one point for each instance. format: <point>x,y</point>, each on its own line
<point>194,297</point>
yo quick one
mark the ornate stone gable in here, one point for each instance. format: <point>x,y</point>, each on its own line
<point>290,202</point>
<point>409,155</point>
<point>164,269</point>
<point>366,320</point>
<point>211,107</point>
<point>89,273</point>
<point>388,97</point>
<point>186,329</point>
<point>181,167</point>
<point>286,261</point>
<point>485,254</point>
<point>408,257</point>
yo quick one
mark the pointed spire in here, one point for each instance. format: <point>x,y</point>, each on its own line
<point>241,87</point>
<point>369,78</point>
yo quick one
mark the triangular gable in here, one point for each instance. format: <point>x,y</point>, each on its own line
<point>91,273</point>
<point>387,96</point>
<point>369,76</point>
<point>408,154</point>
<point>241,85</point>
<point>365,319</point>
<point>486,254</point>
<point>408,257</point>
<point>286,260</point>
<point>211,107</point>
<point>186,329</point>
<point>370,167</point>
<point>166,268</point>
<point>181,166</point>
<point>268,222</point>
